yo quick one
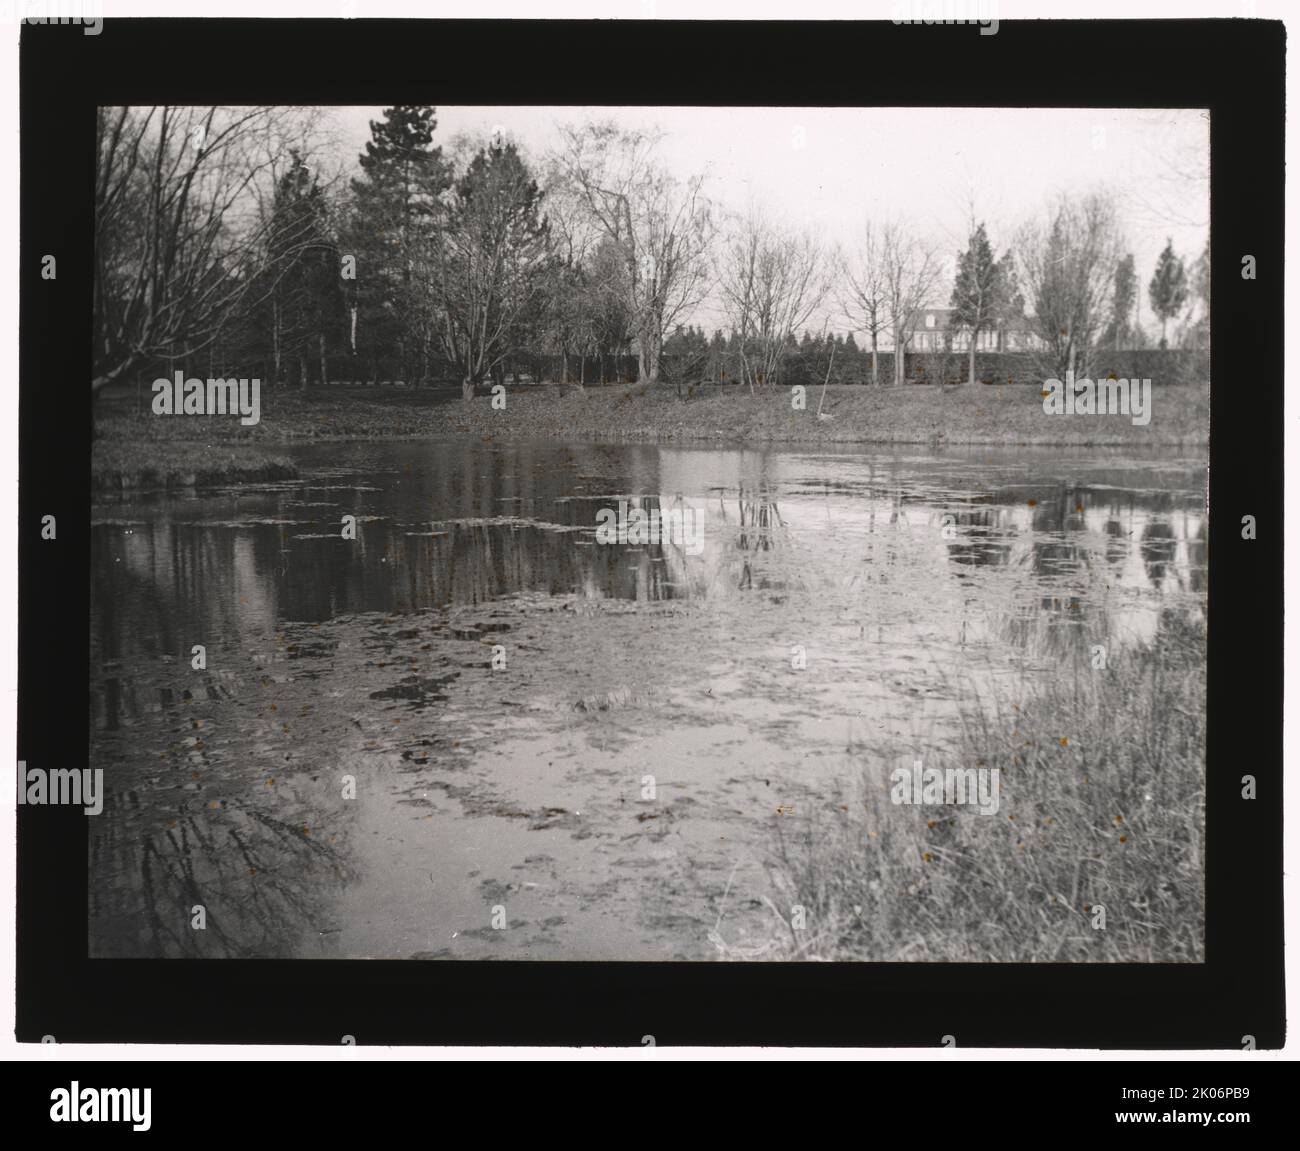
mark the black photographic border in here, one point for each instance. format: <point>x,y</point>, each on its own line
<point>1233,67</point>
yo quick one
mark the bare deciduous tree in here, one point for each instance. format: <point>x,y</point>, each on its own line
<point>180,226</point>
<point>572,238</point>
<point>772,281</point>
<point>911,271</point>
<point>661,227</point>
<point>1067,267</point>
<point>862,296</point>
<point>491,265</point>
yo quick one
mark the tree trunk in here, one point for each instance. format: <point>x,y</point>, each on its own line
<point>970,379</point>
<point>324,367</point>
<point>648,357</point>
<point>875,363</point>
<point>275,336</point>
<point>466,389</point>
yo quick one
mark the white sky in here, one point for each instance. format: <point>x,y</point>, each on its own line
<point>829,168</point>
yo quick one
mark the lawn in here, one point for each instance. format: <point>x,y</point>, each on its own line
<point>1009,414</point>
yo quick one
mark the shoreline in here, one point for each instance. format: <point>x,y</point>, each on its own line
<point>134,448</point>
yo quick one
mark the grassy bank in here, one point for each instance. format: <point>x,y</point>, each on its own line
<point>120,463</point>
<point>1102,805</point>
<point>915,414</point>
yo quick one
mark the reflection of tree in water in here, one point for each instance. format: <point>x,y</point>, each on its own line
<point>1060,628</point>
<point>1066,618</point>
<point>1198,557</point>
<point>646,571</point>
<point>760,528</point>
<point>121,603</point>
<point>1117,540</point>
<point>261,879</point>
<point>1159,549</point>
<point>1057,546</point>
<point>1074,583</point>
<point>159,586</point>
<point>980,539</point>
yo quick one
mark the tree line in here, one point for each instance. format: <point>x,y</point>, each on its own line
<point>225,242</point>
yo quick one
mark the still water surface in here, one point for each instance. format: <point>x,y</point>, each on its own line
<point>456,718</point>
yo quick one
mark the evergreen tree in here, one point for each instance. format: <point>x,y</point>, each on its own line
<point>301,318</point>
<point>1123,300</point>
<point>396,214</point>
<point>983,293</point>
<point>1168,289</point>
<point>838,364</point>
<point>852,359</point>
<point>717,355</point>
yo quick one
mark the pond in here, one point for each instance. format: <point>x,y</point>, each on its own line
<point>468,724</point>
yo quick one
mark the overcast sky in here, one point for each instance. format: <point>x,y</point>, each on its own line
<point>831,168</point>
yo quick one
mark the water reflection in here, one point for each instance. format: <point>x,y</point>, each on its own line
<point>223,773</point>
<point>468,525</point>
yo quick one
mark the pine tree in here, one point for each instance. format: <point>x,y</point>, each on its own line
<point>396,214</point>
<point>983,293</point>
<point>1123,299</point>
<point>852,356</point>
<point>404,172</point>
<point>304,306</point>
<point>1168,289</point>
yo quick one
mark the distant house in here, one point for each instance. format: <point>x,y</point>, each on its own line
<point>932,331</point>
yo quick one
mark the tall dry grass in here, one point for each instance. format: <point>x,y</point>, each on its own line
<point>1102,804</point>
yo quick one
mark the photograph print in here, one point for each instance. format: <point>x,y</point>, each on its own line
<point>754,534</point>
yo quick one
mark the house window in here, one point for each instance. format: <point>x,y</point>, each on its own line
<point>929,321</point>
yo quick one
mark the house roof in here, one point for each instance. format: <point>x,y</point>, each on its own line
<point>942,317</point>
